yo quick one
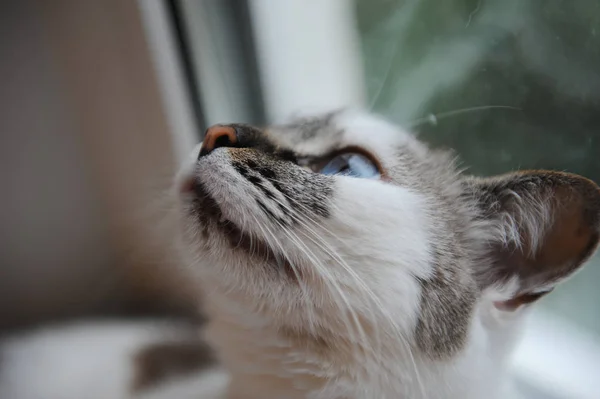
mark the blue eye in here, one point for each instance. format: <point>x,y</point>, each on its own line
<point>352,164</point>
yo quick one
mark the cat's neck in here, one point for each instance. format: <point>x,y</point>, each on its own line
<point>263,363</point>
<point>260,362</point>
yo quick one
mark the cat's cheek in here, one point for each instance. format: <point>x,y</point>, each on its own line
<point>387,223</point>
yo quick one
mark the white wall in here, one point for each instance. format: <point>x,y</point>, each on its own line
<point>84,149</point>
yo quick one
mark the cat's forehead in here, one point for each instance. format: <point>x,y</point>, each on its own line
<point>316,135</point>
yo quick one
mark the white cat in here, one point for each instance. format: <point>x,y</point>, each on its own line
<point>340,257</point>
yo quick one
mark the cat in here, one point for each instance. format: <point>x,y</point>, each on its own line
<point>339,257</point>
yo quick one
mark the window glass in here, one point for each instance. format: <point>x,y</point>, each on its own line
<point>509,84</point>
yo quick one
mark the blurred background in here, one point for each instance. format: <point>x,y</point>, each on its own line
<point>101,100</point>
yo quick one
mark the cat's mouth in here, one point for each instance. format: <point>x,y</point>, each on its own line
<point>210,216</point>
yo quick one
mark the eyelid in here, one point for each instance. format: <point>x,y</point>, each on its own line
<point>320,162</point>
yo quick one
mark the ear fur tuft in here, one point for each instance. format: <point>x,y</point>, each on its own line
<point>547,224</point>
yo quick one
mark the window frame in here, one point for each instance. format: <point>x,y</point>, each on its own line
<point>549,341</point>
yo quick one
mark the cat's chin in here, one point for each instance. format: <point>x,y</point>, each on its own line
<point>206,211</point>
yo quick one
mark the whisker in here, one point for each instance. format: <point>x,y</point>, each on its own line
<point>281,248</point>
<point>434,118</point>
<point>379,307</point>
<point>330,281</point>
<point>320,242</point>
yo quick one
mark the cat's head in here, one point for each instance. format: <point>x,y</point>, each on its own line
<point>343,230</point>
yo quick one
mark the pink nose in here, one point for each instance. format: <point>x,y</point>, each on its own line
<point>218,136</point>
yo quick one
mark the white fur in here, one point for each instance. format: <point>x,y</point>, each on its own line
<point>376,135</point>
<point>386,253</point>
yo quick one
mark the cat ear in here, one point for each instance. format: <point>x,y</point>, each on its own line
<point>545,226</point>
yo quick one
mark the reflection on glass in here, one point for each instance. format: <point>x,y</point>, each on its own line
<point>510,84</point>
